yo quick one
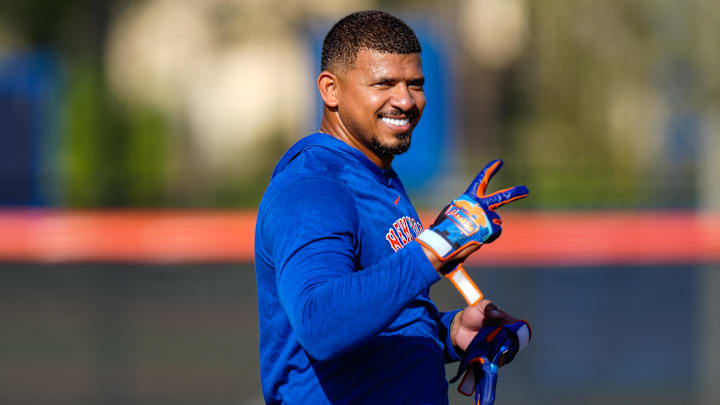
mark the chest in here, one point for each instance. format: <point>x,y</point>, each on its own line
<point>387,220</point>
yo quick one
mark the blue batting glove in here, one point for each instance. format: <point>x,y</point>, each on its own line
<point>471,218</point>
<point>490,349</point>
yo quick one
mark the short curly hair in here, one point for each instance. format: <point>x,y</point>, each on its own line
<point>376,30</point>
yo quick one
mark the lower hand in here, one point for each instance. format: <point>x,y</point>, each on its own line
<point>468,322</point>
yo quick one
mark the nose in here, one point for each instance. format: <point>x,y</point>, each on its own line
<point>402,98</point>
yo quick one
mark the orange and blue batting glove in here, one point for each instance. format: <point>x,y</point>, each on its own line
<point>492,348</point>
<point>469,219</point>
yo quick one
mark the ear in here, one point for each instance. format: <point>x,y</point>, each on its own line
<point>328,86</point>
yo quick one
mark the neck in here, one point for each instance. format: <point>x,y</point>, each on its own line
<point>334,127</point>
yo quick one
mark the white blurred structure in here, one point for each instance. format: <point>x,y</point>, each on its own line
<point>253,90</point>
<point>233,72</point>
<point>638,109</point>
<point>155,49</point>
<point>495,31</point>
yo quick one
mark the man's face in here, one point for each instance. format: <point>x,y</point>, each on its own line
<point>381,100</point>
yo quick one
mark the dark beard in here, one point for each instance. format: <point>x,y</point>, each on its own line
<point>384,150</point>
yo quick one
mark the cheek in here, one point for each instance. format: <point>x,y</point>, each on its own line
<point>420,101</point>
<point>373,102</point>
<point>361,102</point>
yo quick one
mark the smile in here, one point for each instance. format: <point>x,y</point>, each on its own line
<point>396,122</point>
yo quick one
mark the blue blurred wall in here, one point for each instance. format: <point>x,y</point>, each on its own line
<point>28,89</point>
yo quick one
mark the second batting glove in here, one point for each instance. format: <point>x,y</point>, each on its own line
<point>490,349</point>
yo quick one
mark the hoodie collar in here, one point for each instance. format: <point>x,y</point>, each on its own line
<point>328,141</point>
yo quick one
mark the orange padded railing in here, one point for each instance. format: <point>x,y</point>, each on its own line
<point>529,238</point>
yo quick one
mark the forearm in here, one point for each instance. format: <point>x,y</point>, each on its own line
<point>343,311</point>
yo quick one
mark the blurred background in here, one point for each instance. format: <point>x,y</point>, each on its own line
<point>137,137</point>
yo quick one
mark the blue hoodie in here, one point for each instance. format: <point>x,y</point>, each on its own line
<point>343,289</point>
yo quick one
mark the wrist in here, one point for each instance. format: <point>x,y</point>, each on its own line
<point>437,244</point>
<point>454,324</point>
<point>432,257</point>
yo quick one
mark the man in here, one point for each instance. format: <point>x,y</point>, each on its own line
<point>343,286</point>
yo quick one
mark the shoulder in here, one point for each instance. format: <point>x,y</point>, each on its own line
<point>313,169</point>
<point>310,179</point>
<point>312,187</point>
<point>314,160</point>
<point>304,195</point>
<point>314,153</point>
<point>297,209</point>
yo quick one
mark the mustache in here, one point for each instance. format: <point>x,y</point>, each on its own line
<point>396,112</point>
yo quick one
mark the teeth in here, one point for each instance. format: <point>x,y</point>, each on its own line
<point>396,122</point>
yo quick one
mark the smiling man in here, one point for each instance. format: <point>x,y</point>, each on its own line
<point>343,264</point>
<point>374,102</point>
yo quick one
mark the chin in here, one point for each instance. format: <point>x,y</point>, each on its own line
<point>401,145</point>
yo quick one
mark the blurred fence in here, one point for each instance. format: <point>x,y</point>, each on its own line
<point>100,333</point>
<point>532,238</point>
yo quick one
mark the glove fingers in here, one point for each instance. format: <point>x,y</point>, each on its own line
<point>508,195</point>
<point>479,184</point>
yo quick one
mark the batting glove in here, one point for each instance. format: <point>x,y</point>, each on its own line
<point>491,349</point>
<point>471,218</point>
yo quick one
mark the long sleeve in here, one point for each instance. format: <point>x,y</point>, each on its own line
<point>310,229</point>
<point>451,354</point>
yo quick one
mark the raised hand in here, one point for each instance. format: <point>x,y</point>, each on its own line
<point>470,219</point>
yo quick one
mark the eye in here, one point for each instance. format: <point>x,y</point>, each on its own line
<point>383,83</point>
<point>417,84</point>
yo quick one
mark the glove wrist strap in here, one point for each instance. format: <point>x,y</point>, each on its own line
<point>433,241</point>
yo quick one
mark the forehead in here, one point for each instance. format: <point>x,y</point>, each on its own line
<point>396,65</point>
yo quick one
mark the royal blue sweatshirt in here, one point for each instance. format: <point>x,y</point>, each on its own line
<point>343,289</point>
